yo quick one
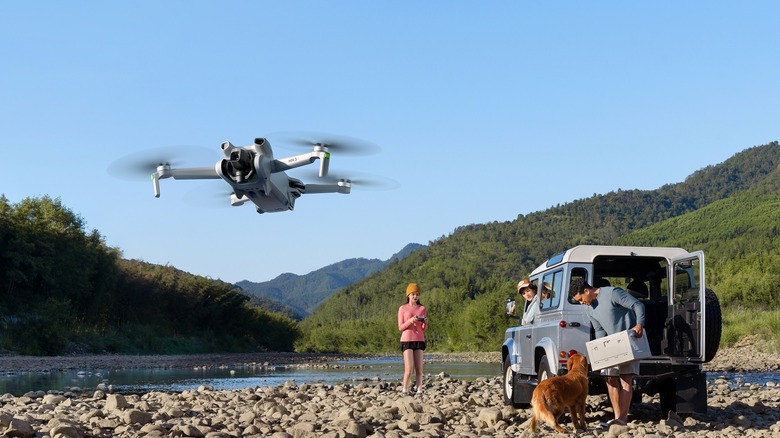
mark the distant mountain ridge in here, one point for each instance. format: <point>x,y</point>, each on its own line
<point>299,295</point>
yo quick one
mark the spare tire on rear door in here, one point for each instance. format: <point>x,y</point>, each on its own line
<point>713,324</point>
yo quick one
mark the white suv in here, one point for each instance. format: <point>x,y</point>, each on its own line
<point>682,323</point>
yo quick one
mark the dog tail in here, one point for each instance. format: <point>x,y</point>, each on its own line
<point>534,412</point>
<point>542,411</point>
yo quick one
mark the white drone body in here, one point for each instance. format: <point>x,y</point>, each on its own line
<point>256,176</point>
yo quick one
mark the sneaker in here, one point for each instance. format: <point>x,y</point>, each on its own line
<point>419,391</point>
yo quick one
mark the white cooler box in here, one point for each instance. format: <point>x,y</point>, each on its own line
<point>616,349</point>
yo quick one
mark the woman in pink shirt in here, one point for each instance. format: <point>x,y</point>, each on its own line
<point>412,322</point>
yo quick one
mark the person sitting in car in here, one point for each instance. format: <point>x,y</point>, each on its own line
<point>528,291</point>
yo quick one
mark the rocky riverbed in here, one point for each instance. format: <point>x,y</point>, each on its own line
<point>447,408</point>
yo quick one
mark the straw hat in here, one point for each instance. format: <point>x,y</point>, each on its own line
<point>524,283</point>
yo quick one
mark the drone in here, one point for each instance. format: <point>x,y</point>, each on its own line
<point>255,176</point>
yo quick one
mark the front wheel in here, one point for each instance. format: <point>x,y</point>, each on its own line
<point>509,382</point>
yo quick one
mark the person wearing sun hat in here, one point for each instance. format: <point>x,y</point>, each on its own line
<point>545,294</point>
<point>528,291</point>
<point>412,323</point>
<point>546,290</point>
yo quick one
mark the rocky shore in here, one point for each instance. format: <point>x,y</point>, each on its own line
<point>447,408</point>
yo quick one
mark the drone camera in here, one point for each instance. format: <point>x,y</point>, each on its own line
<point>240,159</point>
<point>235,156</point>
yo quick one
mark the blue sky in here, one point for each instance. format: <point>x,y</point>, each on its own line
<point>483,111</point>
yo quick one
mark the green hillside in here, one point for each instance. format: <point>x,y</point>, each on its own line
<point>467,275</point>
<point>64,290</point>
<point>273,306</point>
<point>741,239</point>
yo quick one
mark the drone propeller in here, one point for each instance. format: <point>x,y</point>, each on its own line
<point>359,180</point>
<point>209,196</point>
<point>141,164</point>
<point>335,143</point>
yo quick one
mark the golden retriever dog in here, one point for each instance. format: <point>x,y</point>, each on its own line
<point>553,395</point>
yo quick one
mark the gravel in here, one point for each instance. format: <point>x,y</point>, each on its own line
<point>447,408</point>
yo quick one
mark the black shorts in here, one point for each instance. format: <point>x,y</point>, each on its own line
<point>418,345</point>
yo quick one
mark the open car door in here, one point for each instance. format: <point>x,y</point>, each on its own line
<point>686,324</point>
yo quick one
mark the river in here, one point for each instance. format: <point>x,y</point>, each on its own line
<point>181,379</point>
<point>355,371</point>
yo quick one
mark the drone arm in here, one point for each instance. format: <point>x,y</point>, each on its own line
<point>165,171</point>
<point>342,186</point>
<point>294,161</point>
<point>194,173</point>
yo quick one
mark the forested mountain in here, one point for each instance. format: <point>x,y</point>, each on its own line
<point>63,287</point>
<point>467,275</point>
<point>303,293</point>
<point>404,252</point>
<point>272,306</point>
<point>739,235</point>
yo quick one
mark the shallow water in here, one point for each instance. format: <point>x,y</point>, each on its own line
<point>388,369</point>
<point>181,379</point>
<point>746,380</point>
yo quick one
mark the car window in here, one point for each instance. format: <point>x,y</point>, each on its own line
<point>550,289</point>
<point>576,273</point>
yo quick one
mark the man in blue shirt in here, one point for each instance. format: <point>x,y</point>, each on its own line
<point>612,310</point>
